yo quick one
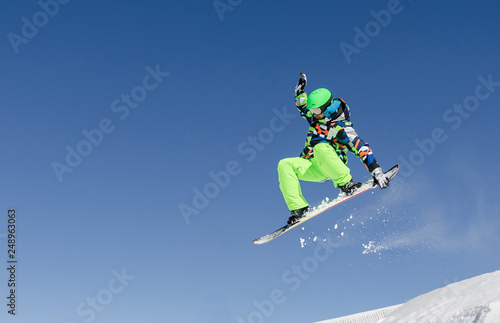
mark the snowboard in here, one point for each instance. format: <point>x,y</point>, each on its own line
<point>342,197</point>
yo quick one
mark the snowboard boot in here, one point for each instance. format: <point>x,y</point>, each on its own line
<point>297,215</point>
<point>349,188</point>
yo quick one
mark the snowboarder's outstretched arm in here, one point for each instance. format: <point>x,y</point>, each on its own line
<point>347,137</point>
<point>301,98</point>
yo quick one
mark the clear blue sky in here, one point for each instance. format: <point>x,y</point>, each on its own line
<point>115,114</point>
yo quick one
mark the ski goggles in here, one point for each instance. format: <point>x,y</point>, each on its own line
<point>321,109</point>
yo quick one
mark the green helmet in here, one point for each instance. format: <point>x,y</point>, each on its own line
<point>319,100</point>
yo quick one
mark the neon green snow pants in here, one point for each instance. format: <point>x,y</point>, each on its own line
<point>325,164</point>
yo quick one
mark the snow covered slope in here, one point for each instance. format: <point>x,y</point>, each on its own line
<point>365,317</point>
<point>475,300</point>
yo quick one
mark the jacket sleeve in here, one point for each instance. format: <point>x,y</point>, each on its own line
<point>301,104</point>
<point>348,138</point>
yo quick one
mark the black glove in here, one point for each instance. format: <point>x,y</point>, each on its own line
<point>301,84</point>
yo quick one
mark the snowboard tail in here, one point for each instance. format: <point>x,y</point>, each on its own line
<point>366,186</point>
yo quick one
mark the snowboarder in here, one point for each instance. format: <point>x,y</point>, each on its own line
<point>331,135</point>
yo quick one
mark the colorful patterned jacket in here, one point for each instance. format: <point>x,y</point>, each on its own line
<point>338,132</point>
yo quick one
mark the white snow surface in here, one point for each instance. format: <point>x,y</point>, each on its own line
<point>364,317</point>
<point>473,300</point>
